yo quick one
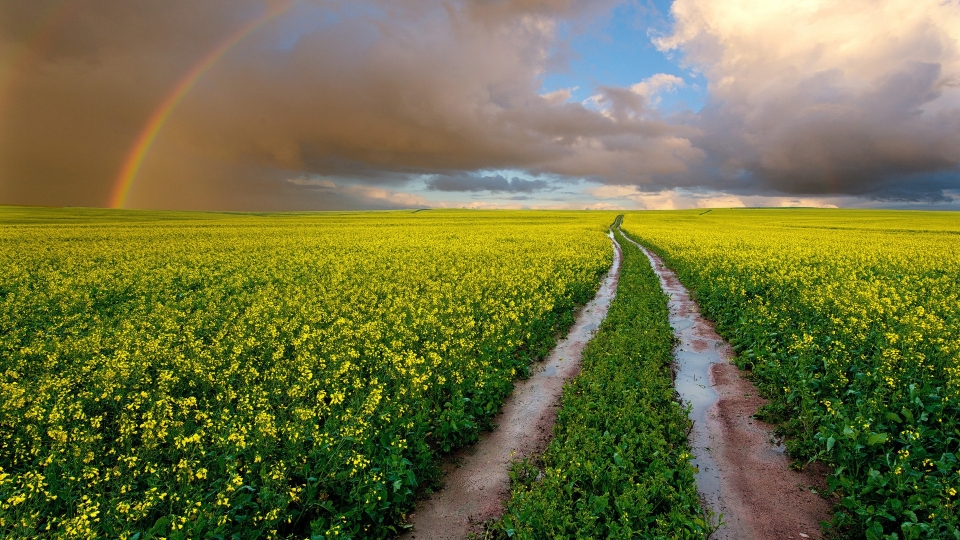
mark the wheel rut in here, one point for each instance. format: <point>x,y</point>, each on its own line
<point>743,472</point>
<point>476,479</point>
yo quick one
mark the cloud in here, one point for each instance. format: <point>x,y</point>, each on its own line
<point>820,97</point>
<point>313,182</point>
<point>357,196</point>
<point>79,80</point>
<point>363,92</point>
<point>659,82</point>
<point>558,96</point>
<point>492,183</point>
<point>612,192</point>
<point>806,101</point>
<point>630,197</point>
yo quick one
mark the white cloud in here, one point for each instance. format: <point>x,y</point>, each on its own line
<point>660,82</point>
<point>594,102</point>
<point>559,96</point>
<point>864,38</point>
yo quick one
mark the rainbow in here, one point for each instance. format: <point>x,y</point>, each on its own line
<point>124,182</point>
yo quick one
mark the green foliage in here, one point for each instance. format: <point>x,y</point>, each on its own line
<point>239,376</point>
<point>618,466</point>
<point>850,323</point>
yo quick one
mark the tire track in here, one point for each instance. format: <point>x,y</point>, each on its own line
<point>743,473</point>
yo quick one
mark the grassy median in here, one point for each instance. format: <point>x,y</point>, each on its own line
<point>618,466</point>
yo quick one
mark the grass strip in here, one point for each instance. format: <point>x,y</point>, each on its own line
<point>618,466</point>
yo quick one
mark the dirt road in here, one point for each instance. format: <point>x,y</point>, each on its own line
<point>743,472</point>
<point>476,481</point>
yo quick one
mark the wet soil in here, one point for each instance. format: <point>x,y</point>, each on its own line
<point>743,472</point>
<point>476,479</point>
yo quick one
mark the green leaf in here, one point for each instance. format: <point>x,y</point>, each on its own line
<point>830,442</point>
<point>875,532</point>
<point>877,438</point>
<point>894,417</point>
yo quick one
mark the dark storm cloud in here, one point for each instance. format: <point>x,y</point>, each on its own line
<point>494,183</point>
<point>79,79</point>
<point>439,92</point>
<point>374,92</point>
<point>819,138</point>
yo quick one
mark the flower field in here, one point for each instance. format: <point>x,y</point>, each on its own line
<point>186,375</point>
<point>850,323</point>
<point>237,375</point>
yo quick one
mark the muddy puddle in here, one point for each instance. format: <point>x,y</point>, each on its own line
<point>743,473</point>
<point>476,480</point>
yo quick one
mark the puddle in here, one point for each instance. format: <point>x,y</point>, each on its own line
<point>476,480</point>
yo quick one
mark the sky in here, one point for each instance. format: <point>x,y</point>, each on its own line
<point>360,104</point>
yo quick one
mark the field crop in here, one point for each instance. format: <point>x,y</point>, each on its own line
<point>850,324</point>
<point>204,375</point>
<point>618,466</point>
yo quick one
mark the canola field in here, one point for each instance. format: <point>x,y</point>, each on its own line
<point>236,375</point>
<point>850,323</point>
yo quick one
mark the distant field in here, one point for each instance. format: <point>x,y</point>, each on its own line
<point>850,321</point>
<point>205,375</point>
